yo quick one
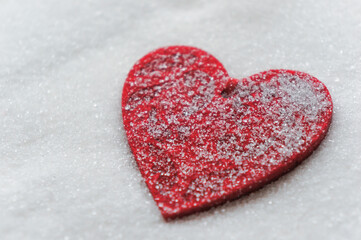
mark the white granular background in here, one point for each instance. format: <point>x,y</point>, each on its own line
<point>66,171</point>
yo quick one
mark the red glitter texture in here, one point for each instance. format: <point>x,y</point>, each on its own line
<point>201,138</point>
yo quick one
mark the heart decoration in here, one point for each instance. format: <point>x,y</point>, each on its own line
<point>201,138</point>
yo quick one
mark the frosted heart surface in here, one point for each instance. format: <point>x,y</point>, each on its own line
<point>201,137</point>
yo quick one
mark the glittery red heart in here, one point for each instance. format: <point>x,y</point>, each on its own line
<point>201,138</point>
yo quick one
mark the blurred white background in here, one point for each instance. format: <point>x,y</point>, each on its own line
<point>66,171</point>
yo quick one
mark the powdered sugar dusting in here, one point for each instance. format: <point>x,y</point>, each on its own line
<point>280,113</point>
<point>195,146</point>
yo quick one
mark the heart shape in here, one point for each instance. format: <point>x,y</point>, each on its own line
<point>201,138</point>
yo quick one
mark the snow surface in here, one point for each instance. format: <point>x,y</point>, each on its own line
<point>66,171</point>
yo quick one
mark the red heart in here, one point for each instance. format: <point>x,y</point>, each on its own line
<point>201,138</point>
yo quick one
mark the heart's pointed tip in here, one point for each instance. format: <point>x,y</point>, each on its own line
<point>174,214</point>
